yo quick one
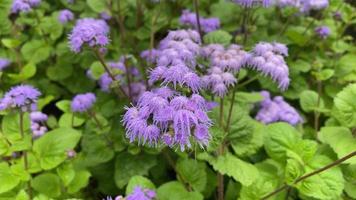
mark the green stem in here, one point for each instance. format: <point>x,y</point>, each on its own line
<point>25,158</point>
<point>220,177</point>
<point>196,6</point>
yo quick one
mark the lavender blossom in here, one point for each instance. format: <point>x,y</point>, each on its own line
<point>37,123</point>
<point>93,32</point>
<point>322,31</point>
<point>140,193</point>
<point>337,15</point>
<point>277,110</point>
<point>207,24</point>
<point>65,16</point>
<point>25,6</point>
<point>23,97</point>
<point>105,16</point>
<point>268,59</point>
<point>71,153</point>
<point>83,102</point>
<point>251,3</point>
<point>4,63</point>
<point>314,5</point>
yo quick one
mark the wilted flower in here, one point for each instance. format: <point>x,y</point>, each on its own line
<point>322,31</point>
<point>83,102</point>
<point>65,16</point>
<point>93,32</point>
<point>207,24</point>
<point>37,123</point>
<point>4,63</point>
<point>277,110</point>
<point>24,5</point>
<point>23,96</point>
<point>140,193</point>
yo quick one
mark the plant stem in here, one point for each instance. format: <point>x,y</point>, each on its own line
<point>25,159</point>
<point>333,164</point>
<point>248,81</point>
<point>220,176</point>
<point>232,103</point>
<point>120,21</point>
<point>93,115</point>
<point>72,120</point>
<point>196,6</point>
<point>138,14</point>
<point>286,24</point>
<point>128,79</point>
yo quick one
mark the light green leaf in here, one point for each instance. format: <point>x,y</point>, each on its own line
<point>341,141</point>
<point>249,145</point>
<point>128,165</point>
<point>309,101</point>
<point>345,105</point>
<point>324,74</point>
<point>48,184</point>
<point>80,180</point>
<point>26,72</point>
<point>10,43</point>
<point>96,69</point>
<point>218,37</point>
<point>8,179</point>
<point>193,172</point>
<point>67,120</point>
<point>66,173</point>
<point>294,169</point>
<point>97,5</point>
<point>139,181</point>
<point>11,126</point>
<point>175,191</point>
<point>52,147</point>
<point>35,51</point>
<point>64,105</point>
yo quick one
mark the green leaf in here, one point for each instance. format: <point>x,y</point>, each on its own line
<point>10,43</point>
<point>8,179</point>
<point>175,191</point>
<point>11,126</point>
<point>327,185</point>
<point>66,173</point>
<point>345,105</point>
<point>80,180</point>
<point>139,181</point>
<point>67,120</point>
<point>97,5</point>
<point>293,170</point>
<point>193,172</point>
<point>96,69</point>
<point>4,145</point>
<point>301,65</point>
<point>95,150</point>
<point>27,72</point>
<point>241,171</point>
<point>249,145</point>
<point>296,35</point>
<point>218,37</point>
<point>64,105</point>
<point>324,74</point>
<point>309,101</point>
<point>51,149</point>
<point>48,184</point>
<point>341,141</point>
<point>128,165</point>
<point>51,26</point>
<point>35,51</point>
<point>249,97</point>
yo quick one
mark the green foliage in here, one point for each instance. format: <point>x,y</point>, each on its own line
<point>176,191</point>
<point>218,37</point>
<point>345,106</point>
<point>193,172</point>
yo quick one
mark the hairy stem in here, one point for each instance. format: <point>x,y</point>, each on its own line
<point>25,158</point>
<point>196,6</point>
<point>333,164</point>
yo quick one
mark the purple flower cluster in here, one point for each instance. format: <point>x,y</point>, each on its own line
<point>176,60</point>
<point>322,31</point>
<point>138,193</point>
<point>65,16</point>
<point>277,110</point>
<point>83,102</point>
<point>165,116</point>
<point>24,5</point>
<point>251,3</point>
<point>4,63</point>
<point>207,24</point>
<point>304,5</point>
<point>224,63</point>
<point>23,97</point>
<point>268,59</point>
<point>93,32</point>
<point>37,123</point>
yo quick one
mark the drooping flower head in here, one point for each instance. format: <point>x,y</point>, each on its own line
<point>140,193</point>
<point>23,97</point>
<point>89,31</point>
<point>83,102</point>
<point>251,3</point>
<point>268,59</point>
<point>65,16</point>
<point>207,24</point>
<point>37,123</point>
<point>24,5</point>
<point>4,63</point>
<point>276,109</point>
<point>322,31</point>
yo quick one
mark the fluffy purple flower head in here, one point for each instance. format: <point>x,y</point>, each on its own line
<point>93,32</point>
<point>290,3</point>
<point>105,16</point>
<point>207,24</point>
<point>277,110</point>
<point>308,5</point>
<point>24,5</point>
<point>150,55</point>
<point>83,102</point>
<point>251,3</point>
<point>65,16</point>
<point>322,31</point>
<point>22,96</point>
<point>37,123</point>
<point>4,63</point>
<point>231,59</point>
<point>37,116</point>
<point>140,193</point>
<point>267,58</point>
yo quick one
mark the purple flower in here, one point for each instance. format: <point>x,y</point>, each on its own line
<point>268,59</point>
<point>83,102</point>
<point>4,63</point>
<point>250,3</point>
<point>65,16</point>
<point>37,123</point>
<point>71,153</point>
<point>277,110</point>
<point>322,31</point>
<point>308,5</point>
<point>24,5</point>
<point>207,24</point>
<point>105,16</point>
<point>337,15</point>
<point>93,32</point>
<point>23,96</point>
<point>140,193</point>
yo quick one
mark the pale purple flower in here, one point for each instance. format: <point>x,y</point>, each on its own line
<point>65,16</point>
<point>277,110</point>
<point>140,193</point>
<point>314,5</point>
<point>207,24</point>
<point>23,97</point>
<point>105,16</point>
<point>251,3</point>
<point>37,123</point>
<point>24,5</point>
<point>322,31</point>
<point>93,32</point>
<point>337,15</point>
<point>83,102</point>
<point>4,63</point>
<point>71,153</point>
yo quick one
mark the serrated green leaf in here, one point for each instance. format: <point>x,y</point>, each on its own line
<point>175,191</point>
<point>80,180</point>
<point>218,37</point>
<point>345,105</point>
<point>35,51</point>
<point>193,172</point>
<point>324,74</point>
<point>95,150</point>
<point>97,5</point>
<point>66,172</point>
<point>309,101</point>
<point>48,184</point>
